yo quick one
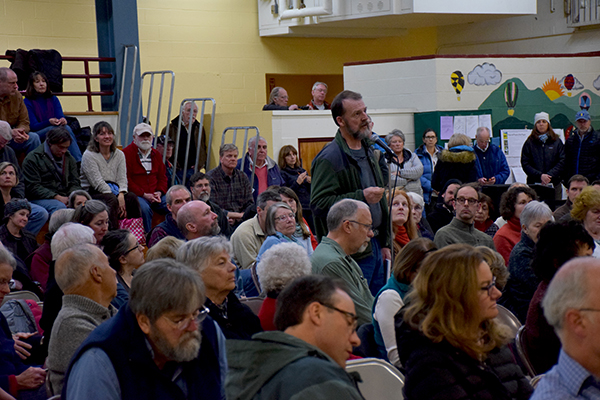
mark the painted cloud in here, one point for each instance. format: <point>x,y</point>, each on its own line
<point>597,83</point>
<point>485,74</point>
<point>576,84</point>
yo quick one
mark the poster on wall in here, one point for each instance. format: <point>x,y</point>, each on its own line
<point>512,143</point>
<point>466,124</point>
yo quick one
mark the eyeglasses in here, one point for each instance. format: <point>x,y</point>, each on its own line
<point>368,226</point>
<point>588,309</point>
<point>430,137</point>
<point>352,319</point>
<point>8,282</point>
<point>471,201</point>
<point>199,316</point>
<point>284,217</point>
<point>489,288</point>
<point>137,246</point>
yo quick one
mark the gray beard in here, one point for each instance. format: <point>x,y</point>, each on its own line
<point>186,350</point>
<point>204,196</point>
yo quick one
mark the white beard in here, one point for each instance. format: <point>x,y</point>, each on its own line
<point>144,145</point>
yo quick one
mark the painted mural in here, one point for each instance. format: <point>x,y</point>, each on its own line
<point>514,105</point>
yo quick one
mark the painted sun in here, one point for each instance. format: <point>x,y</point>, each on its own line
<point>552,89</point>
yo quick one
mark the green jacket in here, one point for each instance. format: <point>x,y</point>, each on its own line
<point>275,365</point>
<point>336,176</point>
<point>42,180</point>
<point>331,260</point>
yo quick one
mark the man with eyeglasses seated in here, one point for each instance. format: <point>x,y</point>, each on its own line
<point>462,229</point>
<point>161,346</point>
<point>305,358</point>
<point>572,307</point>
<point>350,230</point>
<point>89,285</point>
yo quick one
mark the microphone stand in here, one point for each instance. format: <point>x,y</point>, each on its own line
<point>391,159</point>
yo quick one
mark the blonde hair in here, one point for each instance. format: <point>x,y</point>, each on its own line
<point>459,139</point>
<point>497,265</point>
<point>587,199</point>
<point>444,304</point>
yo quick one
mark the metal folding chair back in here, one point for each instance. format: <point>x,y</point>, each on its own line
<point>246,129</point>
<point>380,379</point>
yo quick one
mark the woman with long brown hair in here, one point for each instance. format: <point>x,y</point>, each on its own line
<point>448,340</point>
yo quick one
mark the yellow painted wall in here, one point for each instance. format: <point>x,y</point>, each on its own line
<point>212,45</point>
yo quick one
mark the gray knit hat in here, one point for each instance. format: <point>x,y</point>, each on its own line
<point>15,205</point>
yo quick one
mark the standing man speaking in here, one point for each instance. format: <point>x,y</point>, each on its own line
<point>347,169</point>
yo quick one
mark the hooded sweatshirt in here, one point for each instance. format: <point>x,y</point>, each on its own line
<point>275,365</point>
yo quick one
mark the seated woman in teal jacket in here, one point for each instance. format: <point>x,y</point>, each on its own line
<point>45,111</point>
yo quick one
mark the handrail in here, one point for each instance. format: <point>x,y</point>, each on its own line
<point>86,75</point>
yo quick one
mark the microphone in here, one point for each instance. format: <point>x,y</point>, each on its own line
<point>389,152</point>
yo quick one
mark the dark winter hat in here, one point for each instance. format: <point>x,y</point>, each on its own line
<point>15,205</point>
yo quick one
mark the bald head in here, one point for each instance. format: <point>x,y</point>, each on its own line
<point>195,219</point>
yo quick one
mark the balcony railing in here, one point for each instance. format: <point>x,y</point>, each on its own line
<point>87,76</point>
<point>582,12</point>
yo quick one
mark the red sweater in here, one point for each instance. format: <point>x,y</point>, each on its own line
<point>140,182</point>
<point>507,237</point>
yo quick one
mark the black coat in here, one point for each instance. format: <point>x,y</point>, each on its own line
<point>582,157</point>
<point>290,179</point>
<point>240,323</point>
<point>539,158</point>
<point>453,164</point>
<point>441,371</point>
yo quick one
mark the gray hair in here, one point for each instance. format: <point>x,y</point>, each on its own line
<point>274,93</point>
<point>165,285</point>
<point>252,141</point>
<point>5,130</point>
<point>264,197</point>
<point>270,220</point>
<point>319,83</point>
<point>73,264</point>
<point>481,129</point>
<point>569,289</point>
<point>226,148</point>
<point>4,73</point>
<point>169,194</point>
<point>342,210</point>
<point>197,253</point>
<point>73,195</point>
<point>282,264</point>
<point>165,248</point>
<point>59,218</point>
<point>535,211</point>
<point>69,235</point>
<point>6,257</point>
<point>395,133</point>
<point>416,198</point>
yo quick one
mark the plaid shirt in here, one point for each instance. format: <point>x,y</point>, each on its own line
<point>567,380</point>
<point>232,193</point>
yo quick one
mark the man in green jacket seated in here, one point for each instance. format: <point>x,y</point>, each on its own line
<point>306,357</point>
<point>350,230</point>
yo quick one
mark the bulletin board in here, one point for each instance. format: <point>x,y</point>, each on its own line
<point>434,119</point>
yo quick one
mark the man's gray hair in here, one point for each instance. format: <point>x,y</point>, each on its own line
<point>69,235</point>
<point>5,130</point>
<point>341,211</point>
<point>282,264</point>
<point>270,220</point>
<point>320,83</point>
<point>535,211</point>
<point>59,218</point>
<point>395,133</point>
<point>73,265</point>
<point>274,93</point>
<point>198,253</point>
<point>4,73</point>
<point>6,257</point>
<point>165,285</point>
<point>226,148</point>
<point>569,289</point>
<point>481,129</point>
<point>252,141</point>
<point>169,194</point>
<point>190,102</point>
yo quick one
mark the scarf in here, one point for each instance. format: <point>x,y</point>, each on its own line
<point>402,236</point>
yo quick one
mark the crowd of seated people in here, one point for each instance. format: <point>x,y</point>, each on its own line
<point>434,318</point>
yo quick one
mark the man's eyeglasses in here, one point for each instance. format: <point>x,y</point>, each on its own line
<point>199,316</point>
<point>368,226</point>
<point>471,201</point>
<point>137,246</point>
<point>489,288</point>
<point>284,217</point>
<point>589,309</point>
<point>352,319</point>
